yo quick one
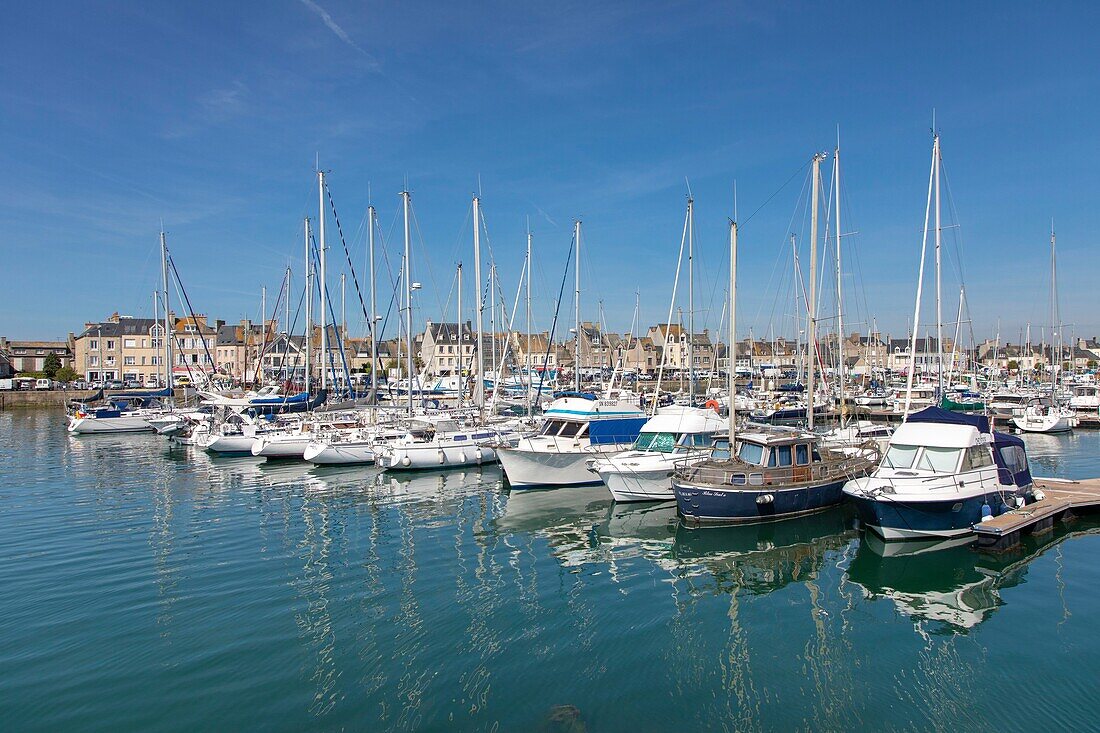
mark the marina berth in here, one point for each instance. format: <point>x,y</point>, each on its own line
<point>672,437</point>
<point>577,426</point>
<point>774,473</point>
<point>941,474</point>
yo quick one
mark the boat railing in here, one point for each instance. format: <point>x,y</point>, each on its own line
<point>738,473</point>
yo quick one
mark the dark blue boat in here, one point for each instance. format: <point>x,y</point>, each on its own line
<point>776,473</point>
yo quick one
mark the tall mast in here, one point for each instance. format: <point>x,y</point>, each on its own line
<point>167,321</point>
<point>461,339</point>
<point>691,302</point>
<point>812,305</point>
<point>577,307</point>
<point>939,309</point>
<point>263,332</point>
<point>373,317</point>
<point>799,363</point>
<point>839,289</point>
<point>343,306</point>
<point>479,312</point>
<point>1054,321</point>
<point>530,378</point>
<point>733,333</point>
<point>324,282</point>
<point>408,299</point>
<point>920,288</point>
<point>493,322</point>
<point>309,308</point>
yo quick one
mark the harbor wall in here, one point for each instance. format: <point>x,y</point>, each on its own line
<point>33,399</point>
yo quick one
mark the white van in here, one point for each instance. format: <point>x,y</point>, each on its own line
<point>43,384</point>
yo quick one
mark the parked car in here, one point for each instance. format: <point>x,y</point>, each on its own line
<point>132,384</point>
<point>112,384</point>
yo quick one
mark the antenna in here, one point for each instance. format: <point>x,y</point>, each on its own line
<point>735,199</point>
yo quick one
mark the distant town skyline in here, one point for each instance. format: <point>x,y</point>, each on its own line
<point>210,120</point>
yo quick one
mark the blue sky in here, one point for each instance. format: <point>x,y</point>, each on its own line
<point>117,116</point>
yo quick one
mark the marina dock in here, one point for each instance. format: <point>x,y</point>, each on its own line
<point>1062,499</point>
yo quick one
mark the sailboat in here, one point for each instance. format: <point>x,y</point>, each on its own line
<point>1046,415</point>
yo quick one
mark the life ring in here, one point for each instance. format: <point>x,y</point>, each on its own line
<point>713,405</point>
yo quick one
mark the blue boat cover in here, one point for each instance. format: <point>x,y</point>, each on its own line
<point>615,430</point>
<point>582,395</point>
<point>300,397</point>
<point>166,392</point>
<point>939,415</point>
<point>1011,457</point>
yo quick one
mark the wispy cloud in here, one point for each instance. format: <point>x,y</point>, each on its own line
<point>333,26</point>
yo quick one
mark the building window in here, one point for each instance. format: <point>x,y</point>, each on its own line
<point>128,361</point>
<point>129,343</point>
<point>110,345</point>
<point>93,344</point>
<point>93,361</point>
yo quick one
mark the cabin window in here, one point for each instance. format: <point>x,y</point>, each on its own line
<point>551,427</point>
<point>802,454</point>
<point>657,442</point>
<point>1014,458</point>
<point>784,452</point>
<point>570,429</point>
<point>702,440</point>
<point>751,453</point>
<point>976,456</point>
<point>900,456</point>
<point>939,460</point>
<point>721,450</point>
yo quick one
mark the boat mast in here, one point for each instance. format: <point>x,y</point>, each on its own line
<point>812,305</point>
<point>691,301</point>
<point>479,312</point>
<point>461,339</point>
<point>493,322</point>
<point>309,309</point>
<point>373,317</point>
<point>324,282</point>
<point>167,321</point>
<point>839,289</point>
<point>920,288</point>
<point>939,309</point>
<point>577,307</point>
<point>530,378</point>
<point>408,299</point>
<point>1054,321</point>
<point>733,333</point>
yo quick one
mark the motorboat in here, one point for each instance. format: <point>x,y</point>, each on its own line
<point>941,474</point>
<point>668,439</point>
<point>434,443</point>
<point>578,426</point>
<point>773,473</point>
<point>121,413</point>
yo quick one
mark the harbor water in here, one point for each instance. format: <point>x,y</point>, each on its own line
<point>149,586</point>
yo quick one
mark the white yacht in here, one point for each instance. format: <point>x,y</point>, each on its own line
<point>442,443</point>
<point>1086,398</point>
<point>942,473</point>
<point>578,426</point>
<point>1041,415</point>
<point>670,438</point>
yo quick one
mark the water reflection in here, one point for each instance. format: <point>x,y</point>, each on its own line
<point>946,586</point>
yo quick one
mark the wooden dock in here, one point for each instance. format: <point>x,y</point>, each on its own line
<point>1062,498</point>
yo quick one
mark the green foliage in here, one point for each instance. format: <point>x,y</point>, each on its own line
<point>1013,365</point>
<point>51,365</point>
<point>66,374</point>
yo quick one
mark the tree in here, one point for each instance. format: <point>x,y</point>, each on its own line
<point>1013,365</point>
<point>66,374</point>
<point>51,365</point>
<point>1092,364</point>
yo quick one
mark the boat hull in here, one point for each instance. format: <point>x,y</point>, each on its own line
<point>715,504</point>
<point>227,445</point>
<point>339,454</point>
<point>427,457</point>
<point>282,446</point>
<point>900,520</point>
<point>121,424</point>
<point>527,469</point>
<point>635,486</point>
<point>1044,424</point>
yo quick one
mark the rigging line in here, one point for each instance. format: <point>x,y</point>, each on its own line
<point>427,263</point>
<point>187,300</point>
<point>347,255</point>
<point>790,225</point>
<point>554,323</point>
<point>777,191</point>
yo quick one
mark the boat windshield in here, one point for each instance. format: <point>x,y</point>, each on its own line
<point>900,456</point>
<point>939,460</point>
<point>656,442</point>
<point>751,453</point>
